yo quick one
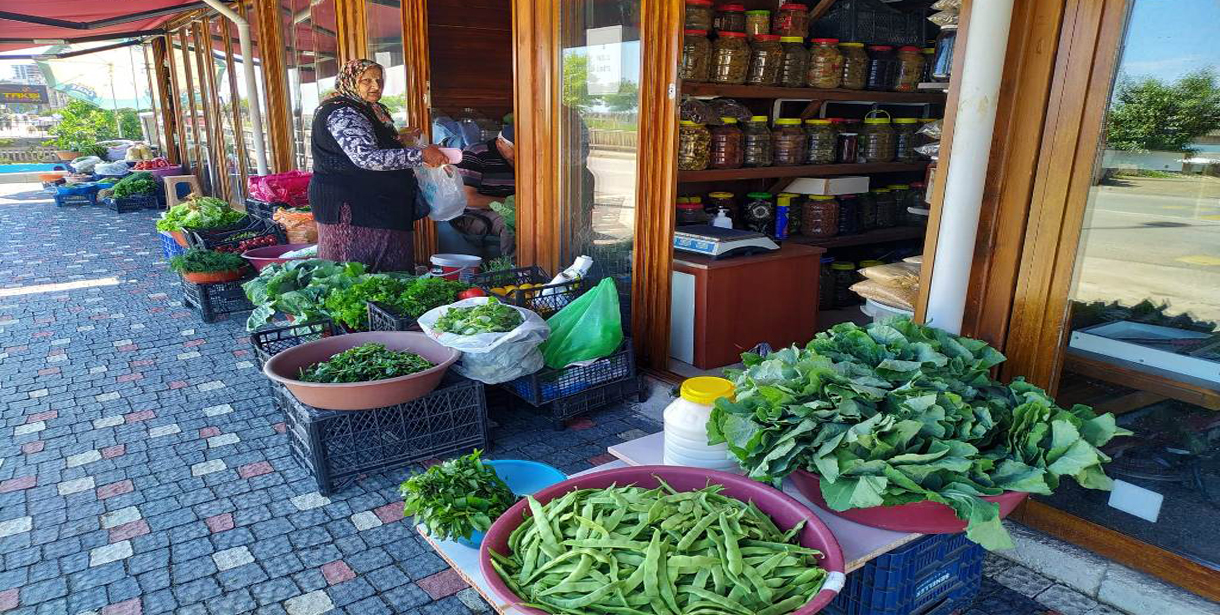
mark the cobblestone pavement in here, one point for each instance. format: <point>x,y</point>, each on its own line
<point>144,468</point>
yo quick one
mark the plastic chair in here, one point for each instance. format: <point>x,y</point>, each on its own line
<point>172,191</point>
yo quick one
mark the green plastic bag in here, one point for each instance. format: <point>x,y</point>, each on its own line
<point>589,328</point>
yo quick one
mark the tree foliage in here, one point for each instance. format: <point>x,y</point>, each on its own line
<point>129,125</point>
<point>82,123</point>
<point>576,88</point>
<point>1150,114</point>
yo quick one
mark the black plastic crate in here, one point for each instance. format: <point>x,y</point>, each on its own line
<point>230,239</point>
<point>935,575</point>
<point>384,318</point>
<point>131,203</point>
<point>874,22</point>
<point>547,385</point>
<point>75,200</point>
<point>340,446</point>
<point>262,209</point>
<point>588,400</point>
<point>544,300</point>
<point>270,341</point>
<point>213,300</point>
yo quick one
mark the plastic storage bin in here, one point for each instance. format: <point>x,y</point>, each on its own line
<point>543,300</point>
<point>230,239</point>
<point>131,203</point>
<point>935,575</point>
<point>341,446</point>
<point>383,318</point>
<point>77,195</point>
<point>568,392</point>
<point>213,300</point>
<point>270,341</point>
<point>262,209</point>
<point>169,246</point>
<point>874,22</point>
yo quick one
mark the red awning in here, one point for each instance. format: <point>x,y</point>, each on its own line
<point>31,23</point>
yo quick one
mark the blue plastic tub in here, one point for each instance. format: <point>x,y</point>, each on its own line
<point>524,478</point>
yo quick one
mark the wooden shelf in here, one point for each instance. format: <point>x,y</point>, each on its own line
<point>714,175</point>
<point>759,91</point>
<point>898,233</point>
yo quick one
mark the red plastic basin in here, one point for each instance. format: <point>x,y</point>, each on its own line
<point>785,511</point>
<point>261,257</point>
<point>921,517</point>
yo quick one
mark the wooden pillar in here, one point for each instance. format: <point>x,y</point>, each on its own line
<point>536,113</point>
<point>210,111</point>
<point>417,62</point>
<point>169,102</point>
<point>243,158</point>
<point>271,53</point>
<point>353,30</point>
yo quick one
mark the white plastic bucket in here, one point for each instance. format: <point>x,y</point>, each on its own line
<point>455,266</point>
<point>880,311</point>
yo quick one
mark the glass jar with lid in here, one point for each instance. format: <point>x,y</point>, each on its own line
<point>902,200</point>
<point>698,15</point>
<point>904,139</point>
<point>845,276</point>
<point>730,58</point>
<point>928,53</point>
<point>795,204</point>
<point>820,216</point>
<point>826,284</point>
<point>759,212</point>
<point>757,138</point>
<point>825,64</point>
<point>730,18</point>
<point>721,200</point>
<point>694,146</point>
<point>882,68</point>
<point>848,147</point>
<point>758,22</point>
<point>728,148</point>
<point>917,199</point>
<point>887,208</point>
<point>792,20</point>
<point>855,66</point>
<point>821,141</point>
<point>877,138</point>
<point>766,55</point>
<point>868,211</point>
<point>795,64</point>
<point>788,143</point>
<point>690,213</point>
<point>849,214</point>
<point>910,69</point>
<point>696,56</point>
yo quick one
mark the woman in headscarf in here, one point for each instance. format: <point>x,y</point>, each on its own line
<point>363,191</point>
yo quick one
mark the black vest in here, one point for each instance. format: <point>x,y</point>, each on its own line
<point>377,199</point>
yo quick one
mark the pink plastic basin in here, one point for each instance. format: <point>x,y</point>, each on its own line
<point>921,517</point>
<point>261,257</point>
<point>785,511</point>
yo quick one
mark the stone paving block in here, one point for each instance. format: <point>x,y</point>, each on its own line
<point>232,558</point>
<point>75,486</point>
<point>1024,581</point>
<point>442,584</point>
<point>313,603</point>
<point>15,526</point>
<point>208,467</point>
<point>307,501</point>
<point>110,553</point>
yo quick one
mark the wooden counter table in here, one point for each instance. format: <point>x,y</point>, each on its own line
<point>722,308</point>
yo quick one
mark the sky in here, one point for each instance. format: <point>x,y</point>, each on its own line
<point>1169,38</point>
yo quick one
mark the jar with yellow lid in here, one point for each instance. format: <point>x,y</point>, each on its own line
<point>887,208</point>
<point>766,56</point>
<point>727,145</point>
<point>825,64</point>
<point>694,146</point>
<point>927,53</point>
<point>757,137</point>
<point>877,138</point>
<point>820,216</point>
<point>721,200</point>
<point>821,141</point>
<point>696,56</point>
<point>795,65</point>
<point>845,276</point>
<point>788,143</point>
<point>905,137</point>
<point>685,425</point>
<point>730,58</point>
<point>855,66</point>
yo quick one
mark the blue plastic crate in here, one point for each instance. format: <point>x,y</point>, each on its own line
<point>935,575</point>
<point>169,246</point>
<point>547,385</point>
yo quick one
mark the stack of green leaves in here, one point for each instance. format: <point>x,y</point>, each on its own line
<point>349,306</point>
<point>136,184</point>
<point>298,288</point>
<point>205,261</point>
<point>507,210</point>
<point>200,213</point>
<point>428,293</point>
<point>657,552</point>
<point>898,413</point>
<point>456,498</point>
<point>365,363</point>
<point>490,317</point>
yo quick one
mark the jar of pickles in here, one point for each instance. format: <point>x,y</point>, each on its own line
<point>757,139</point>
<point>917,200</point>
<point>795,65</point>
<point>877,138</point>
<point>902,200</point>
<point>759,212</point>
<point>766,55</point>
<point>826,284</point>
<point>904,139</point>
<point>792,20</point>
<point>855,66</point>
<point>820,216</point>
<point>730,18</point>
<point>696,56</point>
<point>730,58</point>
<point>882,68</point>
<point>887,208</point>
<point>820,142</point>
<point>694,146</point>
<point>910,69</point>
<point>698,14</point>
<point>758,22</point>
<point>868,211</point>
<point>728,149</point>
<point>848,147</point>
<point>794,211</point>
<point>845,276</point>
<point>849,214</point>
<point>788,143</point>
<point>721,200</point>
<point>825,64</point>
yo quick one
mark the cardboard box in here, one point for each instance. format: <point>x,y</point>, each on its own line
<point>848,184</point>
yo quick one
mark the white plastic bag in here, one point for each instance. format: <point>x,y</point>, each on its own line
<point>84,164</point>
<point>442,189</point>
<point>111,168</point>
<point>492,358</point>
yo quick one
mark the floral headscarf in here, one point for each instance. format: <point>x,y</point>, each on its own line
<point>345,87</point>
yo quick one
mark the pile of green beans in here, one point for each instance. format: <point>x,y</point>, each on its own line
<point>634,551</point>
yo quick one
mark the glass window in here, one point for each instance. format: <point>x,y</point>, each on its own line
<point>1145,294</point>
<point>226,82</point>
<point>385,48</point>
<point>259,97</point>
<point>311,36</point>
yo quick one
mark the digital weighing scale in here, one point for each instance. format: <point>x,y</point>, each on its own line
<point>718,242</point>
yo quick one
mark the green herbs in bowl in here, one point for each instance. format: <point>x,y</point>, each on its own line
<point>490,317</point>
<point>206,261</point>
<point>366,363</point>
<point>456,499</point>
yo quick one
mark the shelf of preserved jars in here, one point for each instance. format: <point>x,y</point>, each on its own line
<point>883,235</point>
<point>758,91</point>
<point>815,170</point>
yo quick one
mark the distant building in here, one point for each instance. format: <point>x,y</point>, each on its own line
<point>27,73</point>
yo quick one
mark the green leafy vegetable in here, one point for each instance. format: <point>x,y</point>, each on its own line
<point>897,413</point>
<point>365,363</point>
<point>200,213</point>
<point>428,293</point>
<point>657,552</point>
<point>136,184</point>
<point>456,498</point>
<point>350,305</point>
<point>298,288</point>
<point>490,317</point>
<point>206,261</point>
<point>507,210</point>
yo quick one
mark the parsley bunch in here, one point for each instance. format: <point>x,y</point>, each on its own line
<point>366,363</point>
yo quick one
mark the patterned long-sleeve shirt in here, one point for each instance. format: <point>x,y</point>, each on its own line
<point>354,133</point>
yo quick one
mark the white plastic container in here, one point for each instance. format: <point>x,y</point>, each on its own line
<point>686,426</point>
<point>455,266</point>
<point>881,311</point>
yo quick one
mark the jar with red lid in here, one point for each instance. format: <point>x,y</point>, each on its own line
<point>730,18</point>
<point>690,213</point>
<point>910,69</point>
<point>730,58</point>
<point>696,56</point>
<point>766,57</point>
<point>825,64</point>
<point>882,68</point>
<point>820,217</point>
<point>791,20</point>
<point>728,149</point>
<point>698,15</point>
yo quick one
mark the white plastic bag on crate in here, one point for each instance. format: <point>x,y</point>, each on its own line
<point>492,358</point>
<point>443,190</point>
<point>111,168</point>
<point>85,164</point>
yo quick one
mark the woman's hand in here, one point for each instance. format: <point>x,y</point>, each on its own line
<point>409,137</point>
<point>434,157</point>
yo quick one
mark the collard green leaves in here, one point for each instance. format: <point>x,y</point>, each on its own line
<point>455,498</point>
<point>896,413</point>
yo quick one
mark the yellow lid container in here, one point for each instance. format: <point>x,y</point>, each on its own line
<point>818,122</point>
<point>705,390</point>
<point>791,39</point>
<point>758,118</point>
<point>787,121</point>
<point>728,120</point>
<point>820,197</point>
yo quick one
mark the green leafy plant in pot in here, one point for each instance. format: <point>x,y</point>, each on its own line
<point>458,499</point>
<point>208,267</point>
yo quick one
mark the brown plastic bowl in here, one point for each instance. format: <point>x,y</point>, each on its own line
<point>286,366</point>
